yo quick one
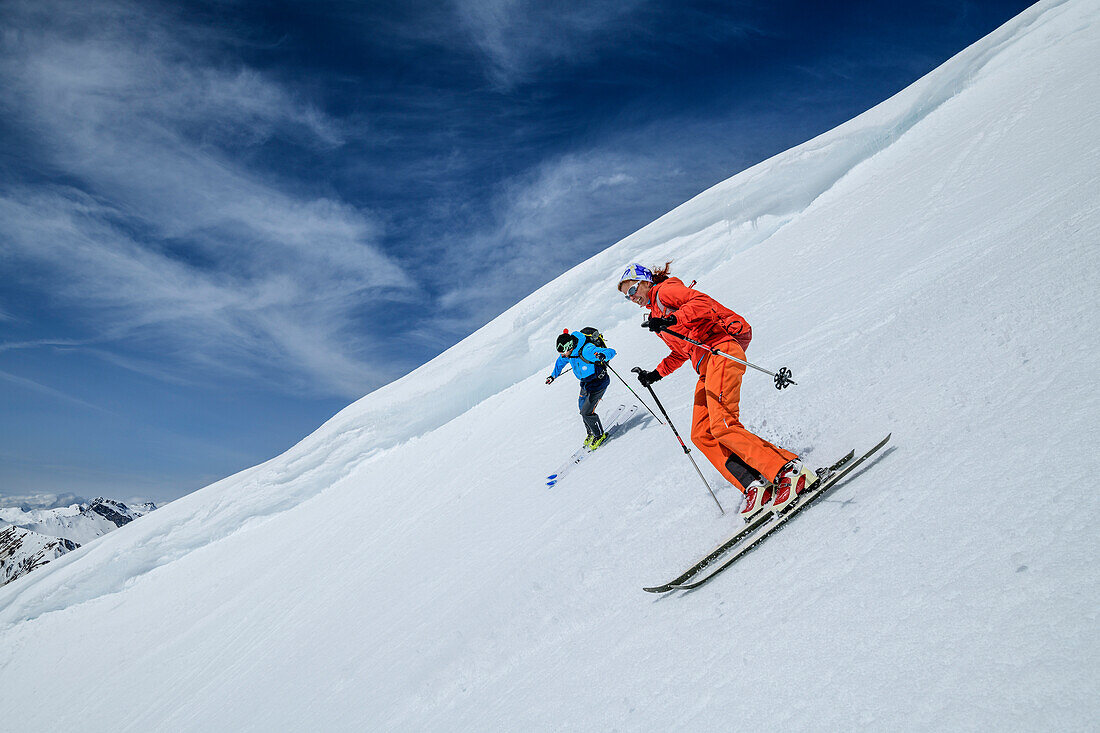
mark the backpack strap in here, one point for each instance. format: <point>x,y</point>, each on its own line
<point>580,350</point>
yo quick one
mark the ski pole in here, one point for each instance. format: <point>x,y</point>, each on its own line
<point>687,451</point>
<point>782,378</point>
<point>636,395</point>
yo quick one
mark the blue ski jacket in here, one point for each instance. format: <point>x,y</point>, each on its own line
<point>584,364</point>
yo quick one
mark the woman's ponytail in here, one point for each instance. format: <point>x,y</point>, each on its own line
<point>660,274</point>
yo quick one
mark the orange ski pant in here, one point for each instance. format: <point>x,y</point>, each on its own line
<point>716,428</point>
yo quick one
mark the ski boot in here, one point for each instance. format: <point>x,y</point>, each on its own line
<point>793,479</point>
<point>758,495</point>
<point>596,441</point>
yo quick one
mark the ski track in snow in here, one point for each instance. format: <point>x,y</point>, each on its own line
<point>405,568</point>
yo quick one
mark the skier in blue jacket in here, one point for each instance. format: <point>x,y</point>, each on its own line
<point>589,363</point>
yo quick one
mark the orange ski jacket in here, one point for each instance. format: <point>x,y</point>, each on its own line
<point>698,316</point>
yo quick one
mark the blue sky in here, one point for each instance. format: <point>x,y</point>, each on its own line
<point>222,222</point>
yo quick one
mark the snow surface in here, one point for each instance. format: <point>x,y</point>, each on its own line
<point>928,268</point>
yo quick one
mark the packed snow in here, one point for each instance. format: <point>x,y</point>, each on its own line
<point>928,269</point>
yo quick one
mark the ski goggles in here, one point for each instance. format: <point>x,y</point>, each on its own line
<point>633,289</point>
<point>562,348</point>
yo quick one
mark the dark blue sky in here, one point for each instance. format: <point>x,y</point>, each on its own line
<point>222,222</point>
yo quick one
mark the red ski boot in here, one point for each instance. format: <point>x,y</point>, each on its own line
<point>758,495</point>
<point>793,479</point>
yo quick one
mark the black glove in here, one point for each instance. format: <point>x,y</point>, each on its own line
<point>648,378</point>
<point>549,380</point>
<point>600,356</point>
<point>660,324</point>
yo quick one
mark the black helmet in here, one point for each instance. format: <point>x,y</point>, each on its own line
<point>566,342</point>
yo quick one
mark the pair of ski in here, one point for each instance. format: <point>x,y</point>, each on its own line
<point>620,415</point>
<point>763,525</point>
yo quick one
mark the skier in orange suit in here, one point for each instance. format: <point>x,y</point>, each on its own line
<point>769,476</point>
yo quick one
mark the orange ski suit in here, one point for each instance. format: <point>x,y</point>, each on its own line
<point>716,428</point>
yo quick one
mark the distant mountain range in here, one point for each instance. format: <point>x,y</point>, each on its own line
<point>30,538</point>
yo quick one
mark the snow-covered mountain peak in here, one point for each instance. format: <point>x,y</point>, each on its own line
<point>22,551</point>
<point>34,537</point>
<point>80,523</point>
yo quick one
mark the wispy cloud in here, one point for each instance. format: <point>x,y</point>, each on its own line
<point>285,307</point>
<point>506,33</point>
<point>162,228</point>
<point>548,218</point>
<point>41,343</point>
<point>521,38</point>
<point>40,501</point>
<point>542,223</point>
<point>49,391</point>
<point>516,37</point>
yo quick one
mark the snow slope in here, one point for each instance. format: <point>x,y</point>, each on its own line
<point>929,268</point>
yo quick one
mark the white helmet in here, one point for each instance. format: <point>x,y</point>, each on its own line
<point>636,272</point>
